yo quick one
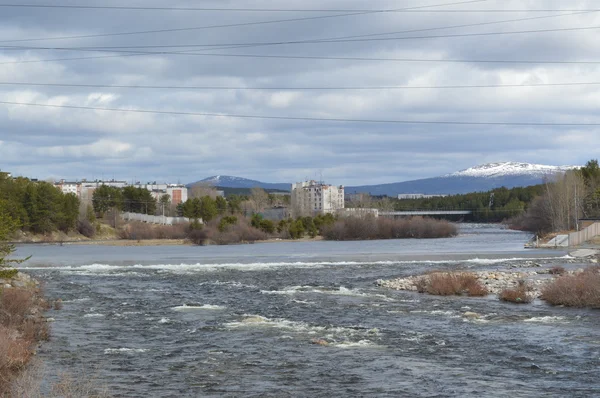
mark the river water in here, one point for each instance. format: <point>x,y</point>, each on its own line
<point>187,321</point>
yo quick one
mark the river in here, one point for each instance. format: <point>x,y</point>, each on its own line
<point>186,321</point>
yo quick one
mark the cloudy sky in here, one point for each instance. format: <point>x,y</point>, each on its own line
<point>296,60</point>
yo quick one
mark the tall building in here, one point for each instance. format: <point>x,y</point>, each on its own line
<point>311,197</point>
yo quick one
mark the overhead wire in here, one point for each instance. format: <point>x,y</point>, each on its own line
<point>190,52</point>
<point>292,88</point>
<point>263,10</point>
<point>230,25</point>
<point>301,118</point>
<point>120,48</point>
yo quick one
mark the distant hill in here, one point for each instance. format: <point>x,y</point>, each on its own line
<point>246,191</point>
<point>239,182</point>
<point>476,179</point>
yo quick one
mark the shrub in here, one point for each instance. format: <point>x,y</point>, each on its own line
<point>142,231</point>
<point>14,354</point>
<point>370,227</point>
<point>86,228</point>
<point>451,283</point>
<point>577,290</point>
<point>19,331</point>
<point>239,232</point>
<point>8,273</point>
<point>518,295</point>
<point>14,305</point>
<point>226,222</point>
<point>558,270</point>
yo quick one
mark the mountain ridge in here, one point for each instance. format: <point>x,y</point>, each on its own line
<point>479,178</point>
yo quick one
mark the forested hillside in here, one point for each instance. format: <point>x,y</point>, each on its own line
<point>492,206</point>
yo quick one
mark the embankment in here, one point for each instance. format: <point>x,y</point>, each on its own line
<point>22,324</point>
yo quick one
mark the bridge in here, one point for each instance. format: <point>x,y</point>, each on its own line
<point>424,213</point>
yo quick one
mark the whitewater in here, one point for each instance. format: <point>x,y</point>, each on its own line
<point>308,320</point>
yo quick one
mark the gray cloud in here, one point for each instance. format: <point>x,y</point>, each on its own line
<point>49,142</point>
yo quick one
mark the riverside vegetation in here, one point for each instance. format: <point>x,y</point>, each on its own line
<point>578,288</point>
<point>22,325</point>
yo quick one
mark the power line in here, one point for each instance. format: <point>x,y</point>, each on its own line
<point>210,9</point>
<point>299,118</point>
<point>189,52</point>
<point>309,57</point>
<point>119,48</point>
<point>231,25</point>
<point>292,88</point>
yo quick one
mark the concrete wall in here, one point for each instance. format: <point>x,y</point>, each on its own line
<point>155,219</point>
<point>577,238</point>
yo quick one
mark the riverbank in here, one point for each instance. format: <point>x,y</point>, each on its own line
<point>23,326</point>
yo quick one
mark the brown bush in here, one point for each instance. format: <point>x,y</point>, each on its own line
<point>21,326</point>
<point>518,295</point>
<point>86,228</point>
<point>215,232</point>
<point>367,228</point>
<point>15,305</point>
<point>451,283</point>
<point>577,290</point>
<point>558,270</point>
<point>14,354</point>
<point>142,231</point>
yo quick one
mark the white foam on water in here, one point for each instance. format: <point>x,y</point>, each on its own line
<point>109,351</point>
<point>327,332</point>
<point>77,300</point>
<point>451,314</point>
<point>186,307</point>
<point>164,320</point>
<point>93,269</point>
<point>341,291</point>
<point>356,344</point>
<point>546,319</point>
<point>94,315</point>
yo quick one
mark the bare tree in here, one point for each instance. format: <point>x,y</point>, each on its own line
<point>259,199</point>
<point>564,200</point>
<point>202,189</point>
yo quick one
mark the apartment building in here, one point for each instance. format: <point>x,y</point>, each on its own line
<point>312,197</point>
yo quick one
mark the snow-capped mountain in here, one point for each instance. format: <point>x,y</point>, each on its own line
<point>503,169</point>
<point>239,182</point>
<point>475,179</point>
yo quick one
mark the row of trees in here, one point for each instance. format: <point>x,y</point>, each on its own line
<point>492,206</point>
<point>130,199</point>
<point>564,201</point>
<point>38,207</point>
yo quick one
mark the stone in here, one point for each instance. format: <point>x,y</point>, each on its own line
<point>319,342</point>
<point>472,315</point>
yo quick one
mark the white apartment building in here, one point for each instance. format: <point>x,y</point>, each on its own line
<point>311,197</point>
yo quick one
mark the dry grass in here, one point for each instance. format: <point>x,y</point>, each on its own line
<point>367,228</point>
<point>240,232</point>
<point>451,284</point>
<point>518,295</point>
<point>142,231</point>
<point>21,328</point>
<point>29,384</point>
<point>578,290</point>
<point>14,355</point>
